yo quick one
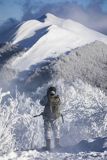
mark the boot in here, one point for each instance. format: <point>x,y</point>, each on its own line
<point>48,144</point>
<point>57,145</point>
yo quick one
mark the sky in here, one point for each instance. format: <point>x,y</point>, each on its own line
<point>92,13</point>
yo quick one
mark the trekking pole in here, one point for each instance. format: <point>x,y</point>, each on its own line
<point>41,114</point>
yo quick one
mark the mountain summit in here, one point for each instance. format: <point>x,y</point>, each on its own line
<point>51,38</point>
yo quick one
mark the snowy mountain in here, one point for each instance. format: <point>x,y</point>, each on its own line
<point>87,63</point>
<point>70,56</point>
<point>51,38</point>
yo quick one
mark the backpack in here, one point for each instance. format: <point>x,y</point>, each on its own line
<point>54,103</point>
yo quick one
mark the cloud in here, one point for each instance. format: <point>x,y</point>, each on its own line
<point>7,25</point>
<point>92,16</point>
<point>92,13</point>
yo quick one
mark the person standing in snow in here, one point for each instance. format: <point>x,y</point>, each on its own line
<point>51,116</point>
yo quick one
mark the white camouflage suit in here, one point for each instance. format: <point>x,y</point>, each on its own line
<point>50,123</point>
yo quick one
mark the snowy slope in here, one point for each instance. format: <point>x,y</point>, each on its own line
<point>87,63</point>
<point>27,30</point>
<point>62,36</point>
<point>34,155</point>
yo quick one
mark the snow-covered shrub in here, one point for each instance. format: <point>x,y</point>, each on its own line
<point>88,63</point>
<point>9,50</point>
<point>84,108</point>
<point>18,127</point>
<point>85,112</point>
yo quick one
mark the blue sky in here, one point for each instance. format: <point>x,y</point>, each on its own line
<point>92,13</point>
<point>14,8</point>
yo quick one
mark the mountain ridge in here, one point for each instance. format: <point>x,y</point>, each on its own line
<point>58,37</point>
<point>87,63</point>
<point>50,42</point>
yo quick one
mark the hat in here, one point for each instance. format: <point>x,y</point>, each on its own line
<point>51,90</point>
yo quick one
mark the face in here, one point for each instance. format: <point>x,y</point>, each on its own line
<point>52,93</point>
